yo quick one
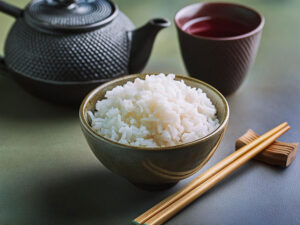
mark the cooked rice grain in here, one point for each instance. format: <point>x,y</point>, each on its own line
<point>155,112</point>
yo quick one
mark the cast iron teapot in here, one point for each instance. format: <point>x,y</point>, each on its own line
<point>61,49</point>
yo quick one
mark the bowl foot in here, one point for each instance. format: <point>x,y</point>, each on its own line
<point>154,187</point>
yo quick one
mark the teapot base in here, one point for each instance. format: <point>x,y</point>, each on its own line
<point>68,93</point>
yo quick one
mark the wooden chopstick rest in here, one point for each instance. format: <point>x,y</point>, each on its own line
<point>277,154</point>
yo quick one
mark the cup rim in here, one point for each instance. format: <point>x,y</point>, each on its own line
<point>91,131</point>
<point>245,35</point>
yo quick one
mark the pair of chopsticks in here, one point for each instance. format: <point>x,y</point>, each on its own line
<point>164,210</point>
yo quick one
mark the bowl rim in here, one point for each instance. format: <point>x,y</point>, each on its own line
<point>91,131</point>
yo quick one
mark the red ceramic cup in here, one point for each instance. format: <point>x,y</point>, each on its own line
<point>222,61</point>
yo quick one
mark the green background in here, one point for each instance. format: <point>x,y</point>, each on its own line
<point>48,175</point>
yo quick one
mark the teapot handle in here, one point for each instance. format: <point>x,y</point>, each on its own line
<point>3,68</point>
<point>10,9</point>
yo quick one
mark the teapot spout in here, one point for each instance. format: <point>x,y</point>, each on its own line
<point>142,40</point>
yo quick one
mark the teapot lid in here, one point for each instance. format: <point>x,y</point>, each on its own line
<point>73,15</point>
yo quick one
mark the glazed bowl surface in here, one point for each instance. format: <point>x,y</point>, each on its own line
<point>154,168</point>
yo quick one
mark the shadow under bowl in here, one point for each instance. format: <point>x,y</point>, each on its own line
<point>154,168</point>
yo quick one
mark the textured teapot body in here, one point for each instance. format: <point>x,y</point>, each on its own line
<point>67,56</point>
<point>62,49</point>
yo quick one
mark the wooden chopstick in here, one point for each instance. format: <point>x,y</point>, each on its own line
<point>172,209</point>
<point>205,176</point>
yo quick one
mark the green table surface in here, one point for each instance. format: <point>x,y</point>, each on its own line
<point>49,176</point>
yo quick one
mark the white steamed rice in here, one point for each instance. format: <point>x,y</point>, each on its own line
<point>155,112</point>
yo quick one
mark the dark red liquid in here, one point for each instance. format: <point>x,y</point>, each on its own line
<point>215,27</point>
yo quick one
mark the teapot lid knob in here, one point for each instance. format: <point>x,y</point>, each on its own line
<point>63,3</point>
<point>72,15</point>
